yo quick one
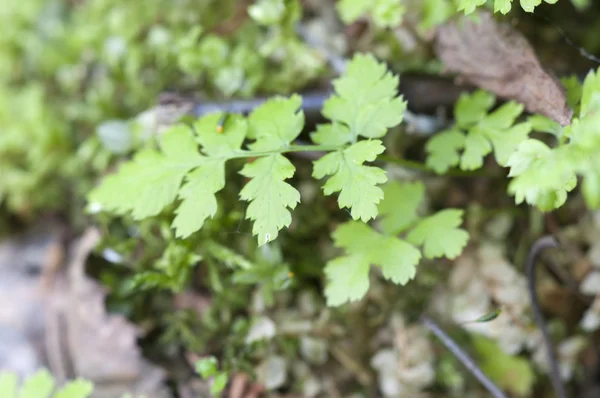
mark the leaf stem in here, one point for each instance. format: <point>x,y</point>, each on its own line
<point>291,148</point>
<point>411,164</point>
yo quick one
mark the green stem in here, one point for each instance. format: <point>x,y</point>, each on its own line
<point>410,164</point>
<point>291,148</point>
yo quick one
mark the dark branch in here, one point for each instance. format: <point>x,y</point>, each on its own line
<point>539,245</point>
<point>462,356</point>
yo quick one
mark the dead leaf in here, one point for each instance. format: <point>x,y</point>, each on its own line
<point>23,258</point>
<point>101,347</point>
<point>498,58</point>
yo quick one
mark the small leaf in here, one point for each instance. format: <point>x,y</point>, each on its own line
<point>40,385</point>
<point>490,316</point>
<point>398,209</point>
<point>199,200</point>
<point>356,182</point>
<point>468,6</point>
<point>269,195</point>
<point>276,123</point>
<point>591,189</point>
<point>511,372</point>
<point>332,134</point>
<point>366,98</point>
<point>219,383</point>
<point>149,182</point>
<point>223,144</point>
<point>9,383</point>
<point>76,389</point>
<point>471,108</point>
<point>351,10</point>
<point>206,367</point>
<point>544,124</point>
<point>502,117</point>
<point>439,234</point>
<point>267,12</point>
<point>443,150</point>
<point>476,148</point>
<point>506,142</point>
<point>502,6</point>
<point>348,276</point>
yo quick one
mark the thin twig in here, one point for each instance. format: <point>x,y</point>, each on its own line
<point>462,356</point>
<point>538,246</point>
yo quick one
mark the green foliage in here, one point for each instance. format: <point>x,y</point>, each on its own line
<point>477,133</point>
<point>435,12</point>
<point>543,175</point>
<point>42,385</point>
<point>207,368</point>
<point>153,179</point>
<point>348,275</point>
<point>172,270</point>
<point>366,103</point>
<point>66,68</point>
<point>439,234</point>
<point>511,372</point>
<point>267,12</point>
<point>503,6</point>
<point>34,150</point>
<point>385,13</point>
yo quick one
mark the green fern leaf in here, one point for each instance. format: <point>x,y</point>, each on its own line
<point>42,385</point>
<point>276,123</point>
<point>385,13</point>
<point>199,201</point>
<point>348,276</point>
<point>439,234</point>
<point>152,179</point>
<point>542,176</point>
<point>398,209</point>
<point>269,195</point>
<point>356,182</point>
<point>366,99</point>
<point>443,150</point>
<point>477,133</point>
<point>365,104</point>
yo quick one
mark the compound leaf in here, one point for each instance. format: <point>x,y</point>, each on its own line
<point>366,98</point>
<point>348,276</point>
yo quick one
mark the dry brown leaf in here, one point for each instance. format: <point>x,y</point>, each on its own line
<point>101,347</point>
<point>497,58</point>
<point>22,258</point>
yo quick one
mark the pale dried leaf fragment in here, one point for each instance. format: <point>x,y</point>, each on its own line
<point>495,57</point>
<point>101,346</point>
